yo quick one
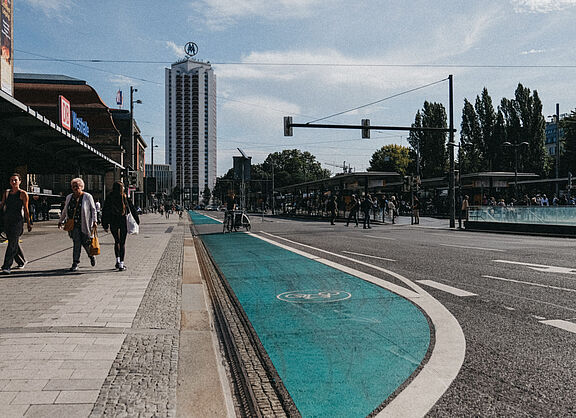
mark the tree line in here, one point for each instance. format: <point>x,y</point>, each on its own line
<point>488,135</point>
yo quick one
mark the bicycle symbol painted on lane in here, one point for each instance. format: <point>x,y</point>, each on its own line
<point>314,296</point>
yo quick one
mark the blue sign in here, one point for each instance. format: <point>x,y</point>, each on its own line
<point>80,125</point>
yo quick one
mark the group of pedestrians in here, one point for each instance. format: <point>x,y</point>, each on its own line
<point>79,218</point>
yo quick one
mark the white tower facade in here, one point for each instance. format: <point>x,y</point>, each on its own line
<point>191,127</point>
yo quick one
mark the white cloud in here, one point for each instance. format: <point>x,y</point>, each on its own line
<point>533,51</point>
<point>178,50</point>
<point>121,80</point>
<point>220,14</point>
<point>53,8</point>
<point>542,6</point>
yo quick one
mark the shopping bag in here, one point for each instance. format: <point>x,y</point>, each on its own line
<point>94,244</point>
<point>131,225</point>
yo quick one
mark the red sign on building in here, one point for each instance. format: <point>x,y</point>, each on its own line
<point>65,113</point>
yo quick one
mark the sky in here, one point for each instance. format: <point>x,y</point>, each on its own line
<point>308,59</point>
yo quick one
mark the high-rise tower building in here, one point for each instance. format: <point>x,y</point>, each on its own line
<point>191,127</point>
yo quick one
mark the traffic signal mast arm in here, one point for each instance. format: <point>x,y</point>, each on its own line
<point>288,125</point>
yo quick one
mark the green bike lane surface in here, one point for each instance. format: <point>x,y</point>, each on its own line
<point>341,345</point>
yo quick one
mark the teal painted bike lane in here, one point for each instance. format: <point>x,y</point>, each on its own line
<point>341,345</point>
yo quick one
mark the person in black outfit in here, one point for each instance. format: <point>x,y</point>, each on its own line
<point>353,210</point>
<point>366,206</point>
<point>116,207</point>
<point>15,206</point>
<point>331,207</point>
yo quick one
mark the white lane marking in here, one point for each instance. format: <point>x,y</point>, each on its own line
<point>540,318</point>
<point>368,256</point>
<point>541,267</point>
<point>447,357</point>
<point>404,280</point>
<point>379,237</point>
<point>531,284</point>
<point>559,323</point>
<point>472,248</point>
<point>445,288</point>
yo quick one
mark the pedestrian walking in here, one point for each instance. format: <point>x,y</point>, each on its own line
<point>354,207</point>
<point>366,206</point>
<point>116,208</point>
<point>331,207</point>
<point>79,209</point>
<point>416,210</point>
<point>465,208</point>
<point>98,211</point>
<point>15,207</point>
<point>392,208</point>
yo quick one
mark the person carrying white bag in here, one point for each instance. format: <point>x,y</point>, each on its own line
<point>119,215</point>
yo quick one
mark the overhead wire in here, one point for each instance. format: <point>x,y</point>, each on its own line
<point>378,101</point>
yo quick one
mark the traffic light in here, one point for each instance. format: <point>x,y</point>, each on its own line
<point>288,126</point>
<point>365,132</point>
<point>406,184</point>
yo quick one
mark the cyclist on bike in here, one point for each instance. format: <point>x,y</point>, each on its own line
<point>231,206</point>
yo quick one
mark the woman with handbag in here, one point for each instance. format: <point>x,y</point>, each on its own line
<point>15,210</point>
<point>116,213</point>
<point>79,219</point>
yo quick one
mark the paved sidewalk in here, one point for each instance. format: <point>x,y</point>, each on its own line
<point>96,341</point>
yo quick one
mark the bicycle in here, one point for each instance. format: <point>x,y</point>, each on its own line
<point>234,220</point>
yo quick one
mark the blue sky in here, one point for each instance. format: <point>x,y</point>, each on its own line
<point>362,52</point>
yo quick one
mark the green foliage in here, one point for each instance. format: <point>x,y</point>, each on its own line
<point>289,167</point>
<point>524,122</point>
<point>517,120</point>
<point>206,195</point>
<point>393,158</point>
<point>293,167</point>
<point>431,145</point>
<point>471,153</point>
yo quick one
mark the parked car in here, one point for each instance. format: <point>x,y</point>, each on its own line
<point>54,212</point>
<point>212,207</point>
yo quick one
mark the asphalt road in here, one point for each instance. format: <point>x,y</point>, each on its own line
<point>517,309</point>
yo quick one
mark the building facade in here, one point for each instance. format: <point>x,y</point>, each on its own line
<point>551,135</point>
<point>191,127</point>
<point>163,175</point>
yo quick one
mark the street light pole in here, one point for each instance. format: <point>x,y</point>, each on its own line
<point>509,144</point>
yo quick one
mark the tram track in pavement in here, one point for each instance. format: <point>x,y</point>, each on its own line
<point>258,390</point>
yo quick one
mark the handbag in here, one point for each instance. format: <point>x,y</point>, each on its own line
<point>94,244</point>
<point>69,225</point>
<point>131,225</point>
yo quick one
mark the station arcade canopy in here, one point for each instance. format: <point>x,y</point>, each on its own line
<point>27,138</point>
<point>366,182</point>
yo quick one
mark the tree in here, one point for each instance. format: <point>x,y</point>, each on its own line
<point>206,195</point>
<point>393,158</point>
<point>431,145</point>
<point>525,123</point>
<point>294,166</point>
<point>471,153</point>
<point>488,142</point>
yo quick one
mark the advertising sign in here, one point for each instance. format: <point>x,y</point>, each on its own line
<point>65,114</point>
<point>7,45</point>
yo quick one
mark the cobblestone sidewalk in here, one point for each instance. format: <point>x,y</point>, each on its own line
<point>71,344</point>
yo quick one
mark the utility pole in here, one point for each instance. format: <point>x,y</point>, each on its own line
<point>557,144</point>
<point>451,144</point>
